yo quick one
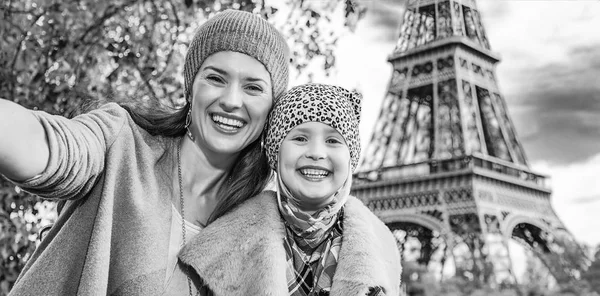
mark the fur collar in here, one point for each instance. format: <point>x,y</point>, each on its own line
<point>242,252</point>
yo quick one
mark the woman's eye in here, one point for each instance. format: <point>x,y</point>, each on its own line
<point>215,78</point>
<point>254,88</point>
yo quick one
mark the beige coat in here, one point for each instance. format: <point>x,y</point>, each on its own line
<point>112,237</point>
<point>242,252</point>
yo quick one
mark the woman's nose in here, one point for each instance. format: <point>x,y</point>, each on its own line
<point>231,99</point>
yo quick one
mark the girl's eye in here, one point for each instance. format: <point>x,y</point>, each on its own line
<point>299,138</point>
<point>334,141</point>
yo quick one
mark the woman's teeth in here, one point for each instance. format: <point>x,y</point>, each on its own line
<point>314,173</point>
<point>227,123</point>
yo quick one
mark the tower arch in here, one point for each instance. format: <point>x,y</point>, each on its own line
<point>514,220</point>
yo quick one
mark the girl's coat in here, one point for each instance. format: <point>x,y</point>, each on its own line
<point>242,252</point>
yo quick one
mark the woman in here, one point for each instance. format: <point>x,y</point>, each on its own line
<point>140,184</point>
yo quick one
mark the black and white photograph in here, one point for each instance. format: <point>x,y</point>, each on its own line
<point>300,147</point>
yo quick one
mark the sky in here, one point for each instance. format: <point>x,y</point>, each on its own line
<point>549,75</point>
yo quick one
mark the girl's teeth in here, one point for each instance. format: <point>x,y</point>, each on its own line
<point>314,173</point>
<point>227,121</point>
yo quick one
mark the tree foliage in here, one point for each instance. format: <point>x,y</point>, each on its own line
<point>473,260</point>
<point>419,280</point>
<point>592,275</point>
<point>60,56</point>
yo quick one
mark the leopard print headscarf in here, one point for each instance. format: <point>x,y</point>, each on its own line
<point>331,105</point>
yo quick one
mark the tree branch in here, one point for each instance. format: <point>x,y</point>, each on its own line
<point>147,82</point>
<point>17,11</point>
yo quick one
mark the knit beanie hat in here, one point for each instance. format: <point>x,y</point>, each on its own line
<point>332,105</point>
<point>243,32</point>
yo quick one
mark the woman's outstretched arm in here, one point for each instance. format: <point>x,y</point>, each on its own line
<point>24,149</point>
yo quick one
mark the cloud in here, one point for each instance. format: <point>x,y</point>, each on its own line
<point>560,141</point>
<point>383,16</point>
<point>557,107</point>
<point>583,200</point>
<point>493,11</point>
<point>578,72</point>
<point>383,19</point>
<point>549,75</point>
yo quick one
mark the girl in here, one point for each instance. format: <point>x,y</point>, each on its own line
<point>311,237</point>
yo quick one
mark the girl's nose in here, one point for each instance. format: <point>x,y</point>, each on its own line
<point>316,150</point>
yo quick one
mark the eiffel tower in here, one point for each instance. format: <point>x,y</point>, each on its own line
<point>445,165</point>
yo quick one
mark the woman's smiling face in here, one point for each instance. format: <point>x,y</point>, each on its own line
<point>314,163</point>
<point>231,98</point>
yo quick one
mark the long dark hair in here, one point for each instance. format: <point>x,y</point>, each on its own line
<point>249,175</point>
<point>160,121</point>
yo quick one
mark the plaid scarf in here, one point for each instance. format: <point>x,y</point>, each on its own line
<point>312,273</point>
<point>312,242</point>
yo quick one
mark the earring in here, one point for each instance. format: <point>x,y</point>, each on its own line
<point>262,143</point>
<point>188,122</point>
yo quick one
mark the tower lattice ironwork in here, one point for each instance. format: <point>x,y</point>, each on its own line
<point>445,165</point>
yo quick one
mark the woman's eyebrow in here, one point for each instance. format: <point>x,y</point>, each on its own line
<point>254,79</point>
<point>220,71</point>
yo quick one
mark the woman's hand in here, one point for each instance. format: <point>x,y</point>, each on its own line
<point>24,151</point>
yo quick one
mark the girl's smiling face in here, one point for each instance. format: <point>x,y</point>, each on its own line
<point>314,163</point>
